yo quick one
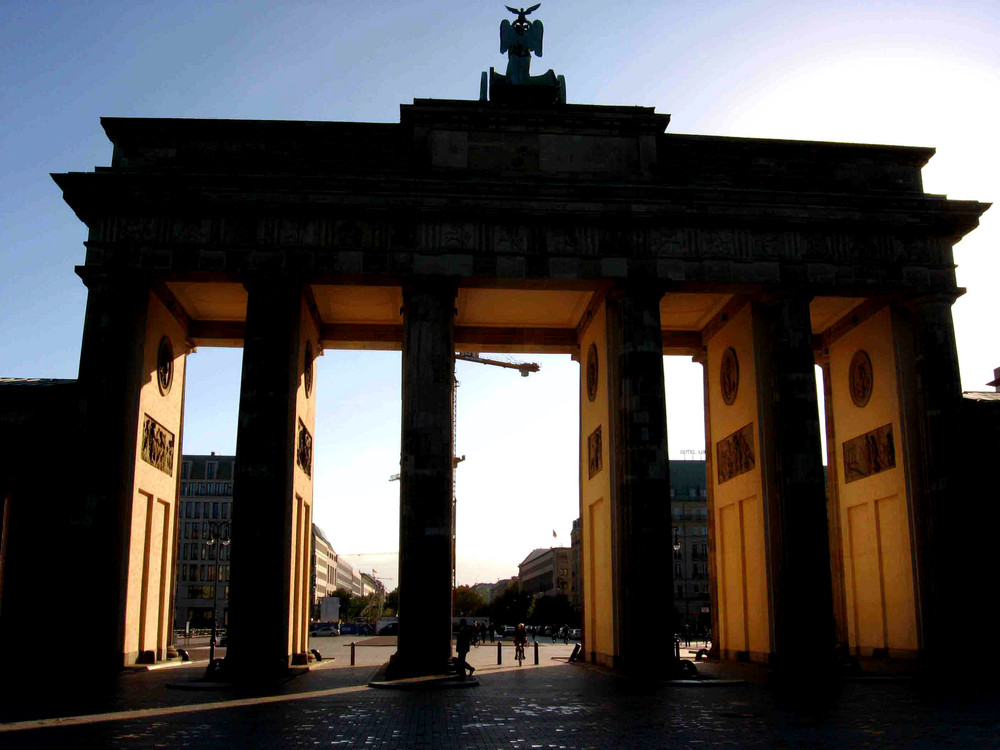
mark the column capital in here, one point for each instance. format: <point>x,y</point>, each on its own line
<point>257,279</point>
<point>95,277</point>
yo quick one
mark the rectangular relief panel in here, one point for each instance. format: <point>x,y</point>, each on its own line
<point>868,454</point>
<point>157,445</point>
<point>594,461</point>
<point>735,454</point>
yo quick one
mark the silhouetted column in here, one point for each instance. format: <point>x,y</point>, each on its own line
<point>641,530</point>
<point>834,521</point>
<point>267,493</point>
<point>425,487</point>
<point>111,376</point>
<point>798,552</point>
<point>930,408</point>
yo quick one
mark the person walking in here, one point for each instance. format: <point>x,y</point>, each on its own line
<point>462,649</point>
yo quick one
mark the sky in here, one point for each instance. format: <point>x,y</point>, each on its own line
<point>908,73</point>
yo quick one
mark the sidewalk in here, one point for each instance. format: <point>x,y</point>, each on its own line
<point>553,705</point>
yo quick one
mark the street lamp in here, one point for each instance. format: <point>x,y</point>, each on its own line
<point>218,533</point>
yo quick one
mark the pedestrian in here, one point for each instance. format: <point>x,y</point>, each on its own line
<point>462,649</point>
<point>493,630</point>
<point>482,631</point>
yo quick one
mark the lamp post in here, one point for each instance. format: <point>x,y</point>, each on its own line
<point>219,533</point>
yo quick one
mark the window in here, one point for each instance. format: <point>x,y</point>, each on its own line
<point>215,510</point>
<point>184,488</point>
<point>186,470</point>
<point>201,488</point>
<point>210,572</point>
<point>194,531</point>
<point>225,510</point>
<point>210,488</point>
<point>678,573</point>
<point>184,572</point>
<point>204,552</point>
<point>197,510</point>
<point>187,529</point>
<point>184,556</point>
<point>211,469</point>
<point>693,492</point>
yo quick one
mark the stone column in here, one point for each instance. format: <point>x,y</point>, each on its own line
<point>425,486</point>
<point>930,409</point>
<point>834,535</point>
<point>640,511</point>
<point>797,547</point>
<point>100,509</point>
<point>264,611</point>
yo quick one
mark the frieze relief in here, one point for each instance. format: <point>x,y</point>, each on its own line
<point>157,445</point>
<point>298,232</point>
<point>185,231</point>
<point>735,454</point>
<point>138,229</point>
<point>705,245</point>
<point>868,454</point>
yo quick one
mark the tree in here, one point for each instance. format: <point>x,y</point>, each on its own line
<point>511,607</point>
<point>391,602</point>
<point>553,610</point>
<point>467,602</point>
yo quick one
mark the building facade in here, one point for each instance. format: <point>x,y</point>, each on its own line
<point>203,541</point>
<point>331,572</point>
<point>546,572</point>
<point>689,544</point>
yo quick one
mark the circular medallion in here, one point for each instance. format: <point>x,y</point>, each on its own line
<point>592,372</point>
<point>165,365</point>
<point>307,372</point>
<point>861,378</point>
<point>729,376</point>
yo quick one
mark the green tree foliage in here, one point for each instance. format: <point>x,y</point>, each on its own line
<point>511,607</point>
<point>350,605</point>
<point>466,602</point>
<point>391,603</point>
<point>553,610</point>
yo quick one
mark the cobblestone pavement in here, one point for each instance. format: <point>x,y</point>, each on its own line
<point>556,706</point>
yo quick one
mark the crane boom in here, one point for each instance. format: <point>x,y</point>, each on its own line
<point>523,367</point>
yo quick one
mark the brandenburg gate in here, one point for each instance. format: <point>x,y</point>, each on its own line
<point>516,222</point>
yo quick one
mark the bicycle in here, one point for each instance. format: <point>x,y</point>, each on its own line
<point>519,653</point>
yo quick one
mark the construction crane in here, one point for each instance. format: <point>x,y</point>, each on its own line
<point>525,368</point>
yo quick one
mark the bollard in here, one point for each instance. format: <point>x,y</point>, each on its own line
<point>677,648</point>
<point>499,653</point>
<point>536,653</point>
<point>352,653</point>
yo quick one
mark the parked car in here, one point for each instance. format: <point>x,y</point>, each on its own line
<point>324,629</point>
<point>575,634</point>
<point>391,628</point>
<point>508,631</point>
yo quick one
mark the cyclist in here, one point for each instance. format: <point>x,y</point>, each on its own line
<point>520,639</point>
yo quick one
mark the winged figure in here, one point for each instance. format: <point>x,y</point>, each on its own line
<point>519,40</point>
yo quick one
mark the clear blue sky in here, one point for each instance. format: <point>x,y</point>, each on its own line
<point>913,73</point>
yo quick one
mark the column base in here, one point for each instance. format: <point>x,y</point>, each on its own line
<point>401,669</point>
